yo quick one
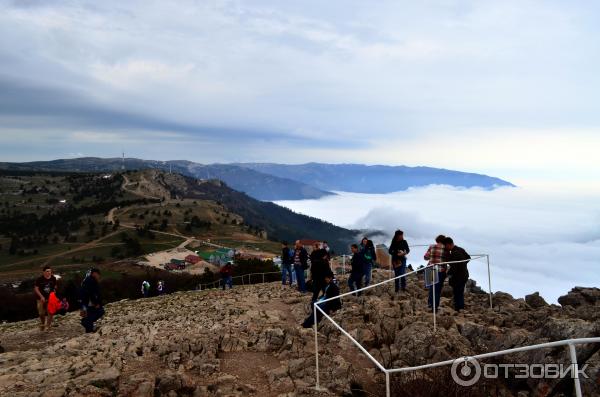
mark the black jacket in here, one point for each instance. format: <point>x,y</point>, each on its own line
<point>458,271</point>
<point>331,291</point>
<point>303,257</point>
<point>90,292</point>
<point>397,246</point>
<point>286,258</point>
<point>358,264</point>
<point>319,265</point>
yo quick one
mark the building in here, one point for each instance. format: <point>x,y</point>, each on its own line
<point>193,259</point>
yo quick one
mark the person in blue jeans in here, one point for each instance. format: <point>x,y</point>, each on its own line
<point>91,300</point>
<point>227,275</point>
<point>287,261</point>
<point>367,249</point>
<point>358,271</point>
<point>399,250</point>
<point>300,265</point>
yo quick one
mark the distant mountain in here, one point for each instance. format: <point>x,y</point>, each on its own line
<point>254,183</point>
<point>361,178</point>
<point>271,182</point>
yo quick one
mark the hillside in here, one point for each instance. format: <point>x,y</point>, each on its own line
<point>256,184</point>
<point>70,220</point>
<point>361,178</point>
<point>248,342</point>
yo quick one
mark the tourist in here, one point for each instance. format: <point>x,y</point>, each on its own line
<point>458,274</point>
<point>91,300</point>
<point>358,269</point>
<point>436,254</point>
<point>43,286</point>
<point>398,250</point>
<point>319,267</point>
<point>331,290</point>
<point>287,261</point>
<point>227,275</point>
<point>300,265</point>
<point>160,288</point>
<point>367,250</point>
<point>145,289</point>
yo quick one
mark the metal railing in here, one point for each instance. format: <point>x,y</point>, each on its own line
<point>243,277</point>
<point>571,343</point>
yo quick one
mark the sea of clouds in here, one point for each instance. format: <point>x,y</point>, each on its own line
<point>538,239</point>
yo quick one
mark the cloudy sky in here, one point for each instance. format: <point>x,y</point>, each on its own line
<point>508,88</point>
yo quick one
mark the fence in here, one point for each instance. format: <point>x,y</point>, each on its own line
<point>571,343</point>
<point>261,276</point>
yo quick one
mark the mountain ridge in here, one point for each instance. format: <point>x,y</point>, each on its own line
<point>273,182</point>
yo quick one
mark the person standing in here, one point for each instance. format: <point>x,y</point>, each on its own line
<point>367,250</point>
<point>399,250</point>
<point>145,289</point>
<point>160,288</point>
<point>436,254</point>
<point>91,300</point>
<point>227,275</point>
<point>300,265</point>
<point>287,261</point>
<point>357,271</point>
<point>458,274</point>
<point>319,267</point>
<point>43,287</point>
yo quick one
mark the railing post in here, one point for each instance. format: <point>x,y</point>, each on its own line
<point>387,384</point>
<point>489,280</point>
<point>316,346</point>
<point>263,278</point>
<point>575,369</point>
<point>433,285</point>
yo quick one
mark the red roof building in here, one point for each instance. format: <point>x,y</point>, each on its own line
<point>193,259</point>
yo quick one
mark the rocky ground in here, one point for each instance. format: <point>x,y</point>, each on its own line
<point>248,341</point>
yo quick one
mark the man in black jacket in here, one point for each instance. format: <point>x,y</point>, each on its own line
<point>331,290</point>
<point>287,260</point>
<point>358,269</point>
<point>91,300</point>
<point>458,273</point>
<point>300,265</point>
<point>319,268</point>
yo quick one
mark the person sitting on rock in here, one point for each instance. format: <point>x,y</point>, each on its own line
<point>358,269</point>
<point>458,274</point>
<point>91,300</point>
<point>227,275</point>
<point>43,287</point>
<point>331,290</point>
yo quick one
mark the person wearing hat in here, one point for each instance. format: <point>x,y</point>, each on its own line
<point>91,300</point>
<point>331,290</point>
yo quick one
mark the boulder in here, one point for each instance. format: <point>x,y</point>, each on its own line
<point>535,300</point>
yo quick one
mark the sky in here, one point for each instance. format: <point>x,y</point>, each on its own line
<point>536,241</point>
<point>506,88</point>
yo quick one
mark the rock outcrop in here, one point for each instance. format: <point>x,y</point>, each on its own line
<point>248,341</point>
